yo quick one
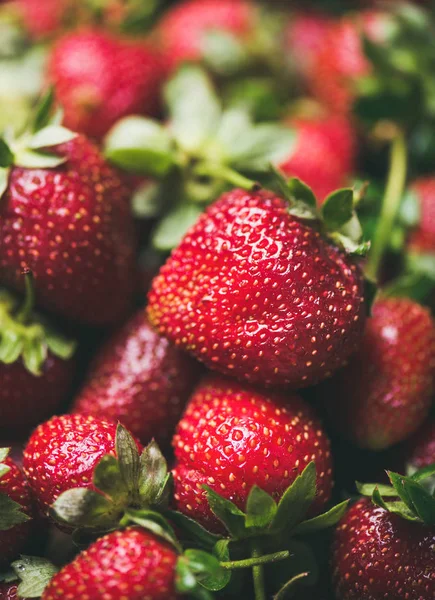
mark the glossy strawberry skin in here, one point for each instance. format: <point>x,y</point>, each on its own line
<point>14,484</point>
<point>233,436</point>
<point>304,38</point>
<point>184,27</point>
<point>378,555</point>
<point>324,153</point>
<point>140,379</point>
<point>25,399</point>
<point>256,294</point>
<point>99,79</point>
<point>71,226</point>
<point>130,563</point>
<point>385,392</point>
<point>422,239</point>
<point>62,453</point>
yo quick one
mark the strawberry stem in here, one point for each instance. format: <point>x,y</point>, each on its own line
<point>29,299</point>
<point>255,561</point>
<point>393,196</point>
<point>258,573</point>
<point>226,174</point>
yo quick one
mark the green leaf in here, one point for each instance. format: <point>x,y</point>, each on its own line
<point>81,507</point>
<point>29,159</point>
<point>398,508</point>
<point>185,580</point>
<point>34,353</point>
<point>35,573</point>
<point>367,489</point>
<point>4,453</point>
<point>108,479</point>
<point>419,475</point>
<point>146,201</point>
<point>140,145</point>
<point>128,458</point>
<point>301,191</point>
<point>261,146</point>
<point>417,286</point>
<point>207,569</point>
<point>43,111</point>
<point>423,502</point>
<point>154,522</point>
<point>11,346</point>
<point>221,550</point>
<point>173,226</point>
<point>234,124</point>
<point>421,263</point>
<point>6,155</point>
<point>194,108</point>
<point>397,482</point>
<point>11,513</point>
<point>4,180</point>
<point>337,209</point>
<point>59,345</point>
<point>153,473</point>
<point>51,135</point>
<point>227,512</point>
<point>194,531</point>
<point>302,202</point>
<point>296,500</point>
<point>224,52</point>
<point>328,519</point>
<point>409,212</point>
<point>260,508</point>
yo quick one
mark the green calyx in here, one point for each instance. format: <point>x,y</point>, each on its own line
<point>34,574</point>
<point>31,149</point>
<point>202,151</point>
<point>411,497</point>
<point>11,513</point>
<point>25,335</point>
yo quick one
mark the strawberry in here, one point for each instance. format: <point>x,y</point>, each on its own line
<point>184,30</point>
<point>385,392</point>
<point>65,216</point>
<point>233,437</point>
<point>255,292</point>
<point>36,366</point>
<point>130,563</point>
<point>420,448</point>
<point>15,508</point>
<point>422,239</point>
<point>100,78</point>
<point>324,153</point>
<point>140,379</point>
<point>42,18</point>
<point>8,591</point>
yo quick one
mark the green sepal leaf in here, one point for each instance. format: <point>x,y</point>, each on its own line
<point>260,508</point>
<point>140,145</point>
<point>337,209</point>
<point>81,507</point>
<point>194,108</point>
<point>301,191</point>
<point>6,155</point>
<point>4,453</point>
<point>207,570</point>
<point>221,549</point>
<point>34,354</point>
<point>260,146</point>
<point>35,574</point>
<point>108,479</point>
<point>11,513</point>
<point>398,508</point>
<point>146,201</point>
<point>43,111</point>
<point>296,500</point>
<point>31,159</point>
<point>416,497</point>
<point>397,482</point>
<point>367,489</point>
<point>302,202</point>
<point>59,345</point>
<point>51,135</point>
<point>174,225</point>
<point>193,530</point>
<point>227,512</point>
<point>153,475</point>
<point>327,519</point>
<point>419,475</point>
<point>154,522</point>
<point>223,52</point>
<point>128,459</point>
<point>4,180</point>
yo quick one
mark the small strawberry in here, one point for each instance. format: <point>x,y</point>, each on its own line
<point>184,30</point>
<point>42,18</point>
<point>385,549</point>
<point>385,392</point>
<point>65,216</point>
<point>100,78</point>
<point>233,437</point>
<point>324,153</point>
<point>139,379</point>
<point>131,563</point>
<point>36,365</point>
<point>422,239</point>
<point>15,508</point>
<point>255,292</point>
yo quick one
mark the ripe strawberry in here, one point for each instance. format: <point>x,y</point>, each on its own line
<point>62,453</point>
<point>324,153</point>
<point>379,555</point>
<point>99,78</point>
<point>15,509</point>
<point>385,392</point>
<point>420,449</point>
<point>42,18</point>
<point>255,293</point>
<point>71,226</point>
<point>232,437</point>
<point>422,239</point>
<point>183,30</point>
<point>131,563</point>
<point>140,379</point>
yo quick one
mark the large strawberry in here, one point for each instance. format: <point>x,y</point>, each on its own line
<point>36,365</point>
<point>257,293</point>
<point>100,78</point>
<point>385,549</point>
<point>15,508</point>
<point>139,378</point>
<point>65,216</point>
<point>385,393</point>
<point>233,437</point>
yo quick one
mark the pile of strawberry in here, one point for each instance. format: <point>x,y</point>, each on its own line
<point>217,289</point>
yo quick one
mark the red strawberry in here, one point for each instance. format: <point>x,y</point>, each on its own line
<point>420,449</point>
<point>130,564</point>
<point>385,393</point>
<point>324,153</point>
<point>16,509</point>
<point>62,453</point>
<point>304,38</point>
<point>233,437</point>
<point>378,555</point>
<point>71,226</point>
<point>422,239</point>
<point>184,28</point>
<point>99,78</point>
<point>42,18</point>
<point>140,379</point>
<point>255,293</point>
